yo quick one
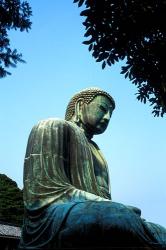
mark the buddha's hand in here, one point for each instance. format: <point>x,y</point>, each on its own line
<point>135,210</point>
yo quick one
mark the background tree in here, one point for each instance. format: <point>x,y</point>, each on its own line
<point>133,30</point>
<point>11,201</point>
<point>13,15</point>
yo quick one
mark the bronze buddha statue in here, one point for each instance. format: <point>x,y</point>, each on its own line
<point>67,195</point>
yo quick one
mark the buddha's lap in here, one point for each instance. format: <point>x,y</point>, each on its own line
<point>102,213</point>
<point>102,223</point>
<point>87,223</point>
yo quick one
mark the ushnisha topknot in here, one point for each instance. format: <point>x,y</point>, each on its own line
<point>88,95</point>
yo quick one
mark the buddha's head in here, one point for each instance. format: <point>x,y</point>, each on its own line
<point>91,109</point>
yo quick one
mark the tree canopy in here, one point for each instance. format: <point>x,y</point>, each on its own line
<point>11,201</point>
<point>14,14</point>
<point>133,31</point>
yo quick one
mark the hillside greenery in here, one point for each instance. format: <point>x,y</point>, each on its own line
<point>11,201</point>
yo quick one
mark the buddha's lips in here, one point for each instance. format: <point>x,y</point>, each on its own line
<point>104,123</point>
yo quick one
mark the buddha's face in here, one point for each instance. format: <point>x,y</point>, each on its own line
<point>95,116</point>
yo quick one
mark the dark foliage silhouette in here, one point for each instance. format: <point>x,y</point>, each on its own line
<point>133,31</point>
<point>14,14</point>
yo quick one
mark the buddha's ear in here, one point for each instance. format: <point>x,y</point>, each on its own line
<point>78,106</point>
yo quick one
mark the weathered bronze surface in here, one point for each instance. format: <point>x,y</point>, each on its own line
<point>67,193</point>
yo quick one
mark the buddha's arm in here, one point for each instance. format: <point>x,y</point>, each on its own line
<point>76,194</point>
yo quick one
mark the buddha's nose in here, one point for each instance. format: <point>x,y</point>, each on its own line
<point>107,116</point>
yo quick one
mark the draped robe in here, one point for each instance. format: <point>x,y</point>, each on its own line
<point>63,198</point>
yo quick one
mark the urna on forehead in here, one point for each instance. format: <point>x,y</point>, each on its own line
<point>88,95</point>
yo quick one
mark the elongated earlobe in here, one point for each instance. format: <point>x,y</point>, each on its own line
<point>78,110</point>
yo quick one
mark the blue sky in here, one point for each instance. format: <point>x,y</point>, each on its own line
<point>58,65</point>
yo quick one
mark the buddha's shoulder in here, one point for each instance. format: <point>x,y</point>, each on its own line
<point>55,123</point>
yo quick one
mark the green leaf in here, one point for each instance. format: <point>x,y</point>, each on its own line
<point>90,47</point>
<point>103,65</point>
<point>80,3</point>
